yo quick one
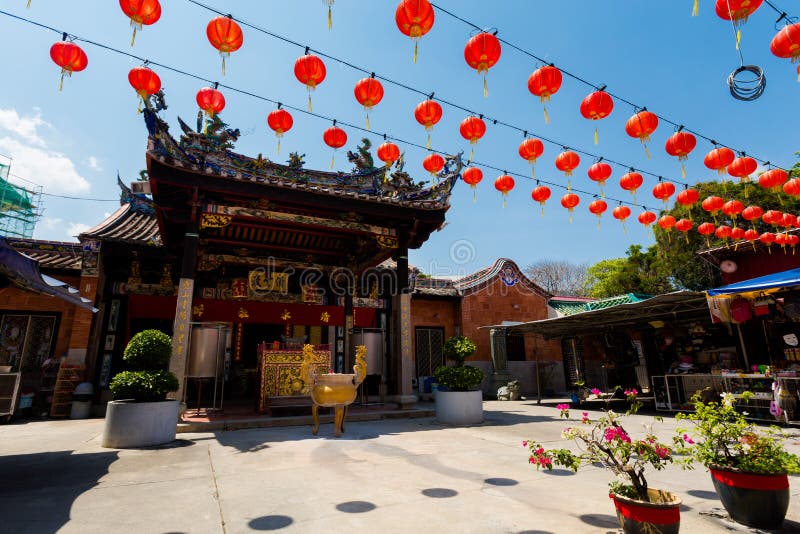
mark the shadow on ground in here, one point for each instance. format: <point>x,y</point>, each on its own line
<point>38,489</point>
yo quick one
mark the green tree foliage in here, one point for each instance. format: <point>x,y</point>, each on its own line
<point>638,272</point>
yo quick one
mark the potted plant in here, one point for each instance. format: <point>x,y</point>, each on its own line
<point>459,400</point>
<point>749,466</point>
<point>606,442</point>
<point>140,415</point>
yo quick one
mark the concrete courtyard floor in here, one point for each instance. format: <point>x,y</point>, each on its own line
<point>399,475</point>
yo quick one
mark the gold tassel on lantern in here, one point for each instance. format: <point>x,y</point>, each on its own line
<point>428,144</point>
<point>485,88</point>
<point>330,15</point>
<point>332,157</point>
<point>696,8</point>
<point>596,136</point>
<point>416,50</point>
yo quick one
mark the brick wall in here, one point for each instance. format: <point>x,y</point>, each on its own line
<point>435,313</point>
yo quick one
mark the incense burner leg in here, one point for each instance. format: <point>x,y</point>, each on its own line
<point>338,419</point>
<point>315,417</point>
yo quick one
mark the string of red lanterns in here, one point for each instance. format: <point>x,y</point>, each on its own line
<point>225,35</point>
<point>368,93</point>
<point>482,53</point>
<point>335,138</point>
<point>70,57</point>
<point>140,12</point>
<point>280,121</point>
<point>414,18</point>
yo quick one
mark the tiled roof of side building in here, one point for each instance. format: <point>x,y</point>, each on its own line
<point>50,254</point>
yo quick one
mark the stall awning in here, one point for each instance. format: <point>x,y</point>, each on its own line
<point>780,280</point>
<point>23,272</point>
<point>688,305</point>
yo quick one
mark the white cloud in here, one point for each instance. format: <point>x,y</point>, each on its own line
<point>94,164</point>
<point>76,228</point>
<point>51,223</point>
<point>53,170</point>
<point>24,127</point>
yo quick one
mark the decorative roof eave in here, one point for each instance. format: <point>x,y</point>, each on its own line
<point>209,153</point>
<point>126,225</point>
<point>55,255</point>
<point>478,280</point>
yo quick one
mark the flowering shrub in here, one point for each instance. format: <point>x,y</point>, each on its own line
<point>608,443</point>
<point>585,418</point>
<point>596,391</point>
<point>564,410</point>
<point>723,437</point>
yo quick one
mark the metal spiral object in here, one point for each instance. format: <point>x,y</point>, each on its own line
<point>746,88</point>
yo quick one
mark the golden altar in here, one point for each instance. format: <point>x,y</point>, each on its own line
<point>281,375</point>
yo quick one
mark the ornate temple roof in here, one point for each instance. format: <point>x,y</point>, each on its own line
<point>50,254</point>
<point>134,222</point>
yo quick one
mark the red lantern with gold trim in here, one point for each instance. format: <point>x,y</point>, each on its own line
<point>687,198</point>
<point>144,81</point>
<point>414,18</point>
<point>388,153</point>
<point>433,163</point>
<point>598,208</point>
<point>540,194</point>
<point>641,125</point>
<point>504,184</point>
<point>792,187</point>
<point>631,181</point>
<point>70,57</point>
<point>752,213</point>
<point>310,71</point>
<point>733,208</point>
<point>368,93</point>
<point>663,190</point>
<point>428,113</point>
<point>210,100</point>
<point>621,213</point>
<point>683,226</point>
<point>737,233</point>
<point>225,35</point>
<point>646,218</point>
<point>570,201</point>
<point>600,172</point>
<point>544,82</point>
<point>280,121</point>
<point>597,105</point>
<point>530,149</point>
<point>706,230</point>
<point>786,43</point>
<point>666,222</point>
<point>737,11</point>
<point>680,144</point>
<point>335,138</point>
<point>472,129</point>
<point>724,232</point>
<point>719,158</point>
<point>141,12</point>
<point>472,176</point>
<point>742,168</point>
<point>566,162</point>
<point>481,53</point>
<point>773,179</point>
<point>712,204</point>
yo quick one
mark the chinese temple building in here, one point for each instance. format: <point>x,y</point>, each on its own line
<point>258,258</point>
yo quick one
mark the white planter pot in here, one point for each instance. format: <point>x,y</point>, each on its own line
<point>459,407</point>
<point>140,424</point>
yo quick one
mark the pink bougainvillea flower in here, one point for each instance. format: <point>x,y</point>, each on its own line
<point>662,452</point>
<point>524,443</point>
<point>596,391</point>
<point>687,439</point>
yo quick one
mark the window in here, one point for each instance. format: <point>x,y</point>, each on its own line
<point>515,348</point>
<point>428,345</point>
<point>26,341</point>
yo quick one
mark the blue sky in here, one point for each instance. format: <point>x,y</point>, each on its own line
<point>652,53</point>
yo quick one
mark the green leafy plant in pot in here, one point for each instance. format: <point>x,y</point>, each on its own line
<point>146,357</point>
<point>748,465</point>
<point>458,377</point>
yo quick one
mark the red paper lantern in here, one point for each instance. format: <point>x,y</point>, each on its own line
<point>598,207</point>
<point>752,213</point>
<point>773,179</point>
<point>666,222</point>
<point>768,238</point>
<point>141,12</point>
<point>773,217</point>
<point>732,208</point>
<point>751,235</point>
<point>310,71</point>
<point>280,121</point>
<point>504,184</point>
<point>792,187</point>
<point>530,149</point>
<point>786,43</point>
<point>600,172</point>
<point>597,105</point>
<point>663,190</point>
<point>706,229</point>
<point>544,83</point>
<point>792,240</point>
<point>621,213</point>
<point>780,239</point>
<point>646,218</point>
<point>742,168</point>
<point>719,158</point>
<point>642,125</point>
<point>737,10</point>
<point>631,181</point>
<point>570,201</point>
<point>684,225</point>
<point>737,233</point>
<point>388,153</point>
<point>472,128</point>
<point>428,113</point>
<point>725,232</point>
<point>481,53</point>
<point>788,220</point>
<point>225,35</point>
<point>687,197</point>
<point>472,176</point>
<point>144,81</point>
<point>210,100</point>
<point>414,19</point>
<point>540,194</point>
<point>368,93</point>
<point>566,162</point>
<point>680,144</point>
<point>70,57</point>
<point>335,138</point>
<point>712,204</point>
<point>433,163</point>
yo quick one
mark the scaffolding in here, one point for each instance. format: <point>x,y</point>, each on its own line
<point>20,207</point>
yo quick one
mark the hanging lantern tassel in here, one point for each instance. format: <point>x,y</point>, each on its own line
<point>624,228</point>
<point>278,151</point>
<point>570,215</point>
<point>223,63</point>
<point>428,144</point>
<point>738,37</point>
<point>603,195</point>
<point>485,87</point>
<point>547,115</point>
<point>133,38</point>
<point>64,72</point>
<point>646,151</point>
<point>683,170</point>
<point>596,136</point>
<point>474,194</point>
<point>542,209</point>
<point>333,155</point>
<point>367,121</point>
<point>471,151</point>
<point>330,15</point>
<point>598,224</point>
<point>309,99</point>
<point>29,4</point>
<point>696,8</point>
<point>504,199</point>
<point>416,50</point>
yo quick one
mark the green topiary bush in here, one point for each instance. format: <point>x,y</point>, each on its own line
<point>458,349</point>
<point>464,378</point>
<point>147,354</point>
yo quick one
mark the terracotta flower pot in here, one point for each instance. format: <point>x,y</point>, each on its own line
<point>752,499</point>
<point>662,515</point>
